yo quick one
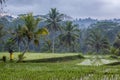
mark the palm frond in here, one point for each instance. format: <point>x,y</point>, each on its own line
<point>42,31</point>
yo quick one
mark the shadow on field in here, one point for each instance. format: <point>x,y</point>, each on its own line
<point>113,64</point>
<point>1,59</point>
<point>57,59</point>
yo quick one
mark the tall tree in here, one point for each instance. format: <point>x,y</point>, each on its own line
<point>109,28</point>
<point>70,35</point>
<point>96,40</point>
<point>18,35</point>
<point>53,24</point>
<point>47,46</point>
<point>30,31</point>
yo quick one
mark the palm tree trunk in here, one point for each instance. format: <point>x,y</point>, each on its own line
<point>68,49</point>
<point>18,47</point>
<point>53,45</point>
<point>97,50</point>
<point>33,48</point>
<point>53,42</point>
<point>25,50</point>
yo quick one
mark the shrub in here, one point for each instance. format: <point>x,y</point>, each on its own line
<point>4,58</point>
<point>81,56</point>
<point>114,51</point>
<point>20,57</point>
<point>114,56</point>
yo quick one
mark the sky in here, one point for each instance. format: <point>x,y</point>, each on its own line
<point>98,9</point>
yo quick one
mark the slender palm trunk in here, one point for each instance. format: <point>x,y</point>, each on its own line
<point>68,49</point>
<point>53,45</point>
<point>53,41</point>
<point>33,48</point>
<point>97,50</point>
<point>18,47</point>
<point>73,48</point>
<point>23,53</point>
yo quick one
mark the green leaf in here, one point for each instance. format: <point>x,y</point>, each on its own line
<point>42,31</point>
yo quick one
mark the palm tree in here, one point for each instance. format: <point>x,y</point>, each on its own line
<point>16,38</point>
<point>18,35</point>
<point>96,40</point>
<point>30,32</point>
<point>47,46</point>
<point>53,24</point>
<point>70,35</point>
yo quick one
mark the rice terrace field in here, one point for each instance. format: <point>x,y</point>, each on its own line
<point>70,69</point>
<point>59,39</point>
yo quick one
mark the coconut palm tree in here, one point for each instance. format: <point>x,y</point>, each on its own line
<point>70,35</point>
<point>53,24</point>
<point>47,46</point>
<point>30,32</point>
<point>18,35</point>
<point>97,40</point>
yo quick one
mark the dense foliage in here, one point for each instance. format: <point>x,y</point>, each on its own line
<point>64,36</point>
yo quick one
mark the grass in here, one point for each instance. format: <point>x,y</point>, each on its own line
<point>57,71</point>
<point>67,70</point>
<point>33,56</point>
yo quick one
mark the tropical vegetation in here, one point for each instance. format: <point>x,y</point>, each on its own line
<point>31,40</point>
<point>53,24</point>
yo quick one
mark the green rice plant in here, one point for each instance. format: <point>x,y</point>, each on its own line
<point>57,71</point>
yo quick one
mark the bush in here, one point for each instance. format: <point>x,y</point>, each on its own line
<point>114,57</point>
<point>81,56</point>
<point>4,58</point>
<point>114,51</point>
<point>20,57</point>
